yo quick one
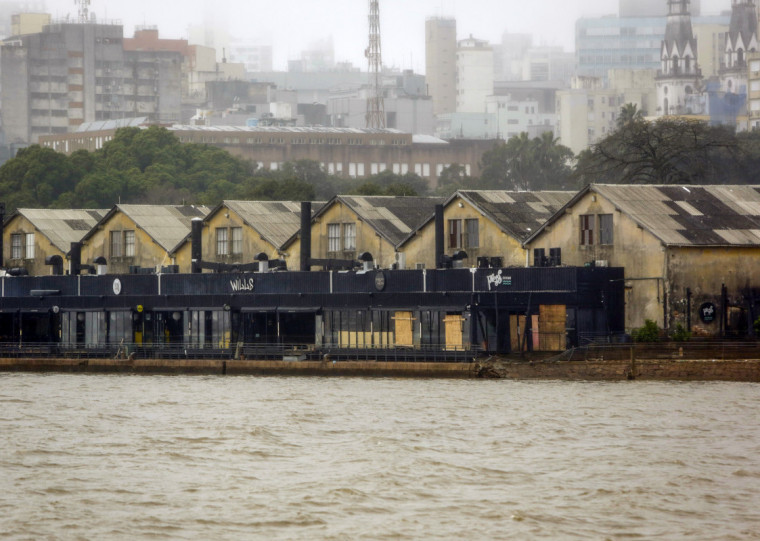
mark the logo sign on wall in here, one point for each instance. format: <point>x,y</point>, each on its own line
<point>707,312</point>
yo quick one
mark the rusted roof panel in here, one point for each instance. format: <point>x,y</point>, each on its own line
<point>691,215</point>
<point>519,214</point>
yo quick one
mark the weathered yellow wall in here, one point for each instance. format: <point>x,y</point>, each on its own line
<point>704,271</point>
<point>253,243</point>
<point>493,241</point>
<point>642,255</point>
<point>367,240</point>
<point>148,254</point>
<point>43,248</point>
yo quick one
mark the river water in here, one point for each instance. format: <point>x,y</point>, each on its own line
<point>153,457</point>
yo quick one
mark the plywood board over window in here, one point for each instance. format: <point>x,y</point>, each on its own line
<point>454,339</point>
<point>404,323</point>
<point>552,321</point>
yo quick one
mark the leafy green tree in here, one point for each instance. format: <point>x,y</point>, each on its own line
<point>629,113</point>
<point>667,151</point>
<point>523,163</point>
<point>36,177</point>
<point>453,178</point>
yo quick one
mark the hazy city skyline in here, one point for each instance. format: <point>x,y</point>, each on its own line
<point>291,25</point>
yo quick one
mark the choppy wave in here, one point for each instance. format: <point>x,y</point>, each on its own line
<point>132,457</point>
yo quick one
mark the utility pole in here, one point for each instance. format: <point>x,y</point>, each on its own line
<point>375,104</point>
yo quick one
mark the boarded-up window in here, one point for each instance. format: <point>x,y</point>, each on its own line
<point>551,327</point>
<point>453,325</point>
<point>587,229</point>
<point>403,322</point>
<point>605,229</point>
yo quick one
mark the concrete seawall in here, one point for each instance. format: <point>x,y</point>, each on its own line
<point>589,370</point>
<point>247,367</point>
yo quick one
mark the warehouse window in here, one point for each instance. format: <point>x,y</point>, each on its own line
<point>605,229</point>
<point>17,246</point>
<point>29,246</point>
<point>237,240</point>
<point>116,244</point>
<point>333,237</point>
<point>222,246</point>
<point>587,229</point>
<point>473,233</point>
<point>129,243</point>
<point>349,237</point>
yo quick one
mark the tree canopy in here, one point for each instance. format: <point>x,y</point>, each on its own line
<point>522,163</point>
<point>668,150</point>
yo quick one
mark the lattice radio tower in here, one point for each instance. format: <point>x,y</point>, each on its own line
<point>375,103</point>
<point>84,10</point>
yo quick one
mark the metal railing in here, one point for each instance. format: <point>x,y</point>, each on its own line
<point>240,351</point>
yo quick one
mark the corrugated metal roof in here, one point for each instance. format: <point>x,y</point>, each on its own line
<point>275,221</point>
<point>168,225</point>
<point>392,217</point>
<point>63,226</point>
<point>691,215</point>
<point>282,129</point>
<point>518,214</point>
<point>103,125</point>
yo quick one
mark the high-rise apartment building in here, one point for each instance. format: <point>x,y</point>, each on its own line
<point>71,73</point>
<point>651,8</point>
<point>441,63</point>
<point>474,75</point>
<point>605,43</point>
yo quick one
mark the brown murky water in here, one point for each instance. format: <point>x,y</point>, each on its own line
<point>145,457</point>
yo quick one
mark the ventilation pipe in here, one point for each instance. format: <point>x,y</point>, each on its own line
<point>56,262</point>
<point>101,265</point>
<point>305,236</point>
<point>439,237</point>
<point>367,261</point>
<point>196,247</point>
<point>263,260</point>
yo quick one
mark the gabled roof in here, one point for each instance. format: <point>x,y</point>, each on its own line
<point>518,214</point>
<point>167,225</point>
<point>393,218</point>
<point>275,221</point>
<point>62,226</point>
<point>721,215</point>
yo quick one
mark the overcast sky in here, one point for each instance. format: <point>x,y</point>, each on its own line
<point>290,25</point>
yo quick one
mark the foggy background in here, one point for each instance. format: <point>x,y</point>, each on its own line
<point>291,25</point>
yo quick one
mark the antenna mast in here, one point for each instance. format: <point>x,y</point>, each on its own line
<point>375,103</point>
<point>84,10</point>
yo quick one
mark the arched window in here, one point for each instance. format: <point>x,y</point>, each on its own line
<point>675,64</point>
<point>740,57</point>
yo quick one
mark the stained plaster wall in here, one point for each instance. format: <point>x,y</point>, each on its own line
<point>493,242</point>
<point>42,248</point>
<point>148,254</point>
<point>638,251</point>
<point>704,271</point>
